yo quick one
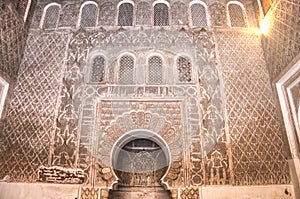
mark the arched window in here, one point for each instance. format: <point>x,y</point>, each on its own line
<point>125,16</point>
<point>50,16</point>
<point>88,14</point>
<point>199,14</point>
<point>184,68</point>
<point>236,14</point>
<point>155,70</point>
<point>97,72</point>
<point>126,70</point>
<point>161,14</point>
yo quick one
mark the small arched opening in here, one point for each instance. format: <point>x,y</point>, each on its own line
<point>140,160</point>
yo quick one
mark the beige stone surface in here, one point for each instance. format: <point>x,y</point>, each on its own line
<point>202,85</point>
<point>37,191</point>
<point>247,192</point>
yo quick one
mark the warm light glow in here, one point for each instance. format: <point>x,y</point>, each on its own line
<point>265,25</point>
<point>254,30</point>
<point>257,31</point>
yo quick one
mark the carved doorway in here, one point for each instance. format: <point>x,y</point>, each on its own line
<point>141,163</point>
<point>140,160</point>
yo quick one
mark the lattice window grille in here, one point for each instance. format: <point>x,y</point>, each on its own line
<point>51,16</point>
<point>125,17</point>
<point>97,72</point>
<point>237,16</point>
<point>126,71</point>
<point>89,15</point>
<point>199,15</point>
<point>155,70</point>
<point>184,68</point>
<point>161,14</point>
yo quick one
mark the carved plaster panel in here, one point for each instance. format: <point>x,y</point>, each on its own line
<point>203,125</point>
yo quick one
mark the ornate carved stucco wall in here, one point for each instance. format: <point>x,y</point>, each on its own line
<point>281,42</point>
<point>26,136</point>
<point>258,153</point>
<point>12,41</point>
<point>53,115</point>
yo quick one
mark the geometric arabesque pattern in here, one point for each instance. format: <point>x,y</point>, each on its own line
<point>21,7</point>
<point>184,68</point>
<point>212,106</point>
<point>257,146</point>
<point>178,13</point>
<point>143,13</point>
<point>281,43</point>
<point>189,193</point>
<point>11,42</point>
<point>97,71</point>
<point>30,119</point>
<point>68,17</point>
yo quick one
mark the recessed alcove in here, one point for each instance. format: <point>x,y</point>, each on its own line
<point>140,159</point>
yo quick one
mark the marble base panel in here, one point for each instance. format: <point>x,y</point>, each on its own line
<point>60,191</point>
<point>37,191</point>
<point>248,192</point>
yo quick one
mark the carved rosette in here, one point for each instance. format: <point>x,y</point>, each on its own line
<point>143,119</point>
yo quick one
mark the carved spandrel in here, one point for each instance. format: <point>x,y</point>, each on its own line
<point>69,15</point>
<point>218,14</point>
<point>178,13</point>
<point>143,15</point>
<point>107,14</point>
